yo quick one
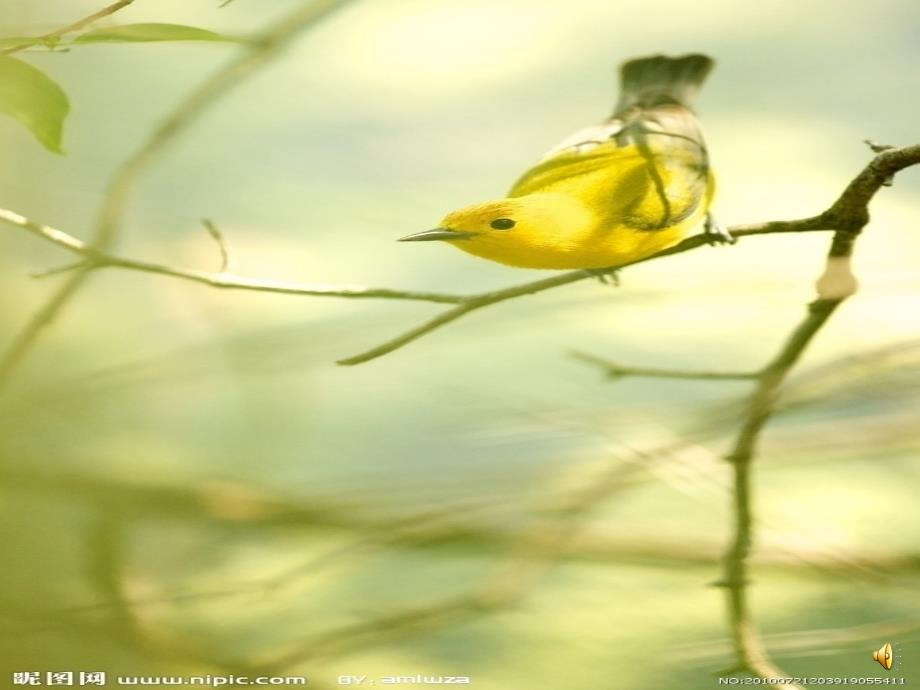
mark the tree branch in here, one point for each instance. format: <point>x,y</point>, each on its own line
<point>222,280</point>
<point>618,371</point>
<point>465,303</point>
<point>70,28</point>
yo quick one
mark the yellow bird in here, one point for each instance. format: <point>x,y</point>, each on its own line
<point>615,192</point>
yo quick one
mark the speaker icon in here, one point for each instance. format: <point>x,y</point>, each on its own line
<point>884,656</point>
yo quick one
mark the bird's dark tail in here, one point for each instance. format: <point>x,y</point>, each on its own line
<point>658,79</point>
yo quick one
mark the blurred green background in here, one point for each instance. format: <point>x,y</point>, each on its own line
<point>190,484</point>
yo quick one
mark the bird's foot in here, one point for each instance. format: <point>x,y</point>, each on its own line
<point>716,233</point>
<point>607,276</point>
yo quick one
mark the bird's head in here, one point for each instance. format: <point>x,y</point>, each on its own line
<point>512,230</point>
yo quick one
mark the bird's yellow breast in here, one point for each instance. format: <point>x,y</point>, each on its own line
<point>598,246</point>
<point>600,209</point>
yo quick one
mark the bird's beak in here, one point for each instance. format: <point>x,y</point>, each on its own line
<point>436,234</point>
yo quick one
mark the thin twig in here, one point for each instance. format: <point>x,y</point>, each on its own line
<point>256,54</point>
<point>226,281</point>
<point>70,28</point>
<point>230,281</point>
<point>615,371</point>
<point>218,237</point>
<point>57,270</point>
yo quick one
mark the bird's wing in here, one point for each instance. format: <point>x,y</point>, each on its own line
<point>648,172</point>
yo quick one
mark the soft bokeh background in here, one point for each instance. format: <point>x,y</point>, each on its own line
<point>190,484</point>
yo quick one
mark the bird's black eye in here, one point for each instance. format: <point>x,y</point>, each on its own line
<point>502,223</point>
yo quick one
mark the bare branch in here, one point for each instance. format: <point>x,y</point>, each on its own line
<point>62,239</point>
<point>218,237</point>
<point>226,281</point>
<point>53,36</point>
<point>57,270</point>
<point>466,303</point>
<point>617,371</point>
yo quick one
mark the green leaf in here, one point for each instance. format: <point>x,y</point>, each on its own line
<point>27,94</point>
<point>145,33</point>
